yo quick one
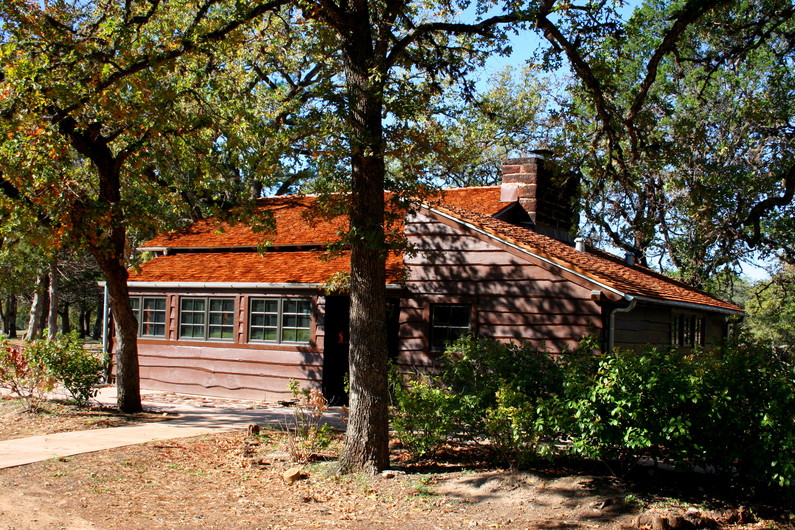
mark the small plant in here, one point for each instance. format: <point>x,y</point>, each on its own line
<point>307,434</point>
<point>24,376</point>
<point>72,366</point>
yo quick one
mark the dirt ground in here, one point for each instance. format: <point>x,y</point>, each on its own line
<point>236,480</point>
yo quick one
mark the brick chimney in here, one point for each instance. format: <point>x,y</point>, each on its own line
<point>547,195</point>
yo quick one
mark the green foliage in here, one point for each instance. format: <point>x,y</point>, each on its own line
<point>730,411</point>
<point>23,375</point>
<point>625,404</point>
<point>771,310</point>
<point>504,392</point>
<point>487,390</point>
<point>306,433</point>
<point>71,365</point>
<point>422,414</point>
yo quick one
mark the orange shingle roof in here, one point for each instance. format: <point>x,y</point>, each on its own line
<point>296,228</point>
<point>599,266</point>
<point>252,267</point>
<point>295,225</point>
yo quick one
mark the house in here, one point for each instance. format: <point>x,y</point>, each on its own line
<point>221,316</point>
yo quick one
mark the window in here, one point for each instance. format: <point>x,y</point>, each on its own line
<point>150,312</point>
<point>207,318</point>
<point>279,320</point>
<point>687,330</point>
<point>448,323</point>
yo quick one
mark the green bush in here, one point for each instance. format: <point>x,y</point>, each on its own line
<point>486,390</point>
<point>745,419</point>
<point>421,415</point>
<point>506,393</point>
<point>625,404</point>
<point>731,411</point>
<point>72,366</point>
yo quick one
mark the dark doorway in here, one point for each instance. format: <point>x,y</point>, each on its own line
<point>337,344</point>
<point>335,354</point>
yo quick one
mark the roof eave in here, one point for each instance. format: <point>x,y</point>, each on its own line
<point>230,285</point>
<point>689,305</point>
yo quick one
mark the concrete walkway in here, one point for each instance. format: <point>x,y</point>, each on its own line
<point>196,416</point>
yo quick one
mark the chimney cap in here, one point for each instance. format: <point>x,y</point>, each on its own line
<point>542,152</point>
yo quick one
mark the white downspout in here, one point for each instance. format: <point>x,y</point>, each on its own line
<point>611,339</point>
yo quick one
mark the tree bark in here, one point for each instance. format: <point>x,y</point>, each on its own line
<point>52,316</point>
<point>128,392</point>
<point>96,332</point>
<point>367,437</point>
<point>10,317</point>
<point>66,323</point>
<point>45,304</point>
<point>36,306</point>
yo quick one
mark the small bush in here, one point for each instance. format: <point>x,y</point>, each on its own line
<point>72,366</point>
<point>307,434</point>
<point>24,376</point>
<point>486,390</point>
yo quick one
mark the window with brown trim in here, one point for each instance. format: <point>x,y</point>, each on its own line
<point>206,318</point>
<point>448,323</point>
<point>687,330</point>
<point>150,312</point>
<point>280,320</point>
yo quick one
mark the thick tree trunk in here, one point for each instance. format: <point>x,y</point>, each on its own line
<point>126,347</point>
<point>36,307</point>
<point>367,437</point>
<point>52,318</point>
<point>109,251</point>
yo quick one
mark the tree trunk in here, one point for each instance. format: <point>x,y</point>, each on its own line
<point>45,307</point>
<point>85,323</point>
<point>36,307</point>
<point>66,322</point>
<point>108,248</point>
<point>10,317</point>
<point>126,347</point>
<point>96,332</point>
<point>367,437</point>
<point>52,318</point>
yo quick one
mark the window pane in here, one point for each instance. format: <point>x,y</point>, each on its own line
<point>153,317</point>
<point>263,319</point>
<point>296,320</point>
<point>448,323</point>
<point>192,318</point>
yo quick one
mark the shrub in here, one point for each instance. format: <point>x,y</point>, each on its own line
<point>625,403</point>
<point>72,366</point>
<point>421,415</point>
<point>24,376</point>
<point>730,411</point>
<point>746,416</point>
<point>307,433</point>
<point>486,390</point>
